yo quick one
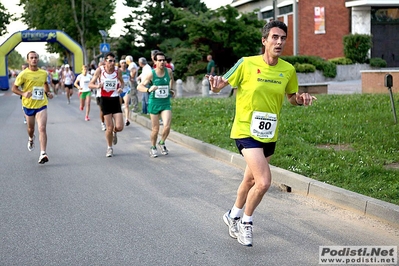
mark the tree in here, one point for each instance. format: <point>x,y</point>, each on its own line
<point>151,22</point>
<point>357,47</point>
<point>224,33</point>
<point>15,60</point>
<point>80,19</point>
<point>5,19</point>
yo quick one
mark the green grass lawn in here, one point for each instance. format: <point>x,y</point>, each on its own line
<point>349,141</point>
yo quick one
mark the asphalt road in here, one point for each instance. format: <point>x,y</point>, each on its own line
<point>82,208</point>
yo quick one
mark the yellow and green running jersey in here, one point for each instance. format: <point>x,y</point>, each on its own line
<point>261,89</point>
<point>33,81</point>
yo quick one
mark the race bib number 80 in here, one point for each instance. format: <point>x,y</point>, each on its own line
<point>162,92</point>
<point>263,125</point>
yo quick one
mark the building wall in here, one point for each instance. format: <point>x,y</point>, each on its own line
<point>373,81</point>
<point>289,45</point>
<point>361,20</point>
<point>337,25</point>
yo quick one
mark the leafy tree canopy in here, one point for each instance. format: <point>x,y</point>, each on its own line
<point>187,31</point>
<point>80,19</point>
<point>15,60</point>
<point>5,19</point>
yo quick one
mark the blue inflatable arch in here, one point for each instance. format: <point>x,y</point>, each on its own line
<point>50,36</point>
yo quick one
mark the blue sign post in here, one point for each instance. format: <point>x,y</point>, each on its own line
<point>104,48</point>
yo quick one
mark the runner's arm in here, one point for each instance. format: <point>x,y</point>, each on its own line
<point>145,81</point>
<point>93,82</point>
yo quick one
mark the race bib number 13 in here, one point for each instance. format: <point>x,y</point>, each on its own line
<point>263,125</point>
<point>38,93</point>
<point>162,92</point>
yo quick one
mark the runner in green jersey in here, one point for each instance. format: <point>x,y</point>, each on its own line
<point>159,105</point>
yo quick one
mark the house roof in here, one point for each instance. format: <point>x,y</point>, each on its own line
<point>353,3</point>
<point>349,3</point>
<point>236,3</point>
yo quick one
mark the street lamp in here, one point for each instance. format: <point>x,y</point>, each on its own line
<point>104,35</point>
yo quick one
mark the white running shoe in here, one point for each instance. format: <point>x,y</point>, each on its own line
<point>103,127</point>
<point>110,152</point>
<point>153,153</point>
<point>31,145</point>
<point>244,236</point>
<point>232,223</point>
<point>163,148</point>
<point>43,158</point>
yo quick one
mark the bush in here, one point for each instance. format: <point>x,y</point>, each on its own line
<point>357,46</point>
<point>329,69</point>
<point>377,62</point>
<point>341,61</point>
<point>304,68</point>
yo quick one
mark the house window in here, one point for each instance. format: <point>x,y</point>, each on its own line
<point>384,15</point>
<point>285,10</point>
<point>267,14</point>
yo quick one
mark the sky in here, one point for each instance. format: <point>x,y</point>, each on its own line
<point>23,48</point>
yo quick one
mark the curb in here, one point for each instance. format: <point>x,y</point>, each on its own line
<point>290,181</point>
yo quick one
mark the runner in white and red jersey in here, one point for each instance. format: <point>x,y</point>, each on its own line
<point>110,86</point>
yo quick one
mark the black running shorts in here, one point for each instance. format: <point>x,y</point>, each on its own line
<point>110,105</point>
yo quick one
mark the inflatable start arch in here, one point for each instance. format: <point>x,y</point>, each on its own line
<point>50,36</point>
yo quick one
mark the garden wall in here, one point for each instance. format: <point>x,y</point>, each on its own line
<point>373,81</point>
<point>344,73</point>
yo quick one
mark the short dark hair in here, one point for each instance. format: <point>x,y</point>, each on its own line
<point>159,53</point>
<point>31,52</point>
<point>272,24</point>
<point>111,54</point>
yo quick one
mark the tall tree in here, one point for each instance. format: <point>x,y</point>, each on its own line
<point>15,60</point>
<point>80,19</point>
<point>151,22</point>
<point>5,19</point>
<point>187,31</point>
<point>224,33</point>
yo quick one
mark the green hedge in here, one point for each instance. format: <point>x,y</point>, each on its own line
<point>341,61</point>
<point>304,68</point>
<point>377,62</point>
<point>329,69</point>
<point>357,46</point>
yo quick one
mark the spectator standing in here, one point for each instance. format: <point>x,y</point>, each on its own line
<point>134,70</point>
<point>145,71</point>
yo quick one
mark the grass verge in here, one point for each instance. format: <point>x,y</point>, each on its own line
<point>349,141</point>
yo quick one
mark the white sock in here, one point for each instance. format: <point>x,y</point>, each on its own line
<point>42,152</point>
<point>235,212</point>
<point>246,219</point>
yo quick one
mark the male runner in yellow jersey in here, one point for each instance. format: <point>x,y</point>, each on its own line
<point>35,91</point>
<point>262,81</point>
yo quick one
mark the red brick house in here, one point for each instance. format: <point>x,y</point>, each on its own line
<point>317,27</point>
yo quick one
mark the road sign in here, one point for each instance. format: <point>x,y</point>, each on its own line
<point>104,47</point>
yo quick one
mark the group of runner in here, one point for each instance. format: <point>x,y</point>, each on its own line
<point>262,82</point>
<point>113,85</point>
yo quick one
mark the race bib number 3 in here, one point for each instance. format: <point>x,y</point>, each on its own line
<point>110,84</point>
<point>162,92</point>
<point>263,125</point>
<point>38,93</point>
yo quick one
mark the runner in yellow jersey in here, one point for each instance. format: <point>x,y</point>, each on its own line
<point>35,91</point>
<point>262,82</point>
